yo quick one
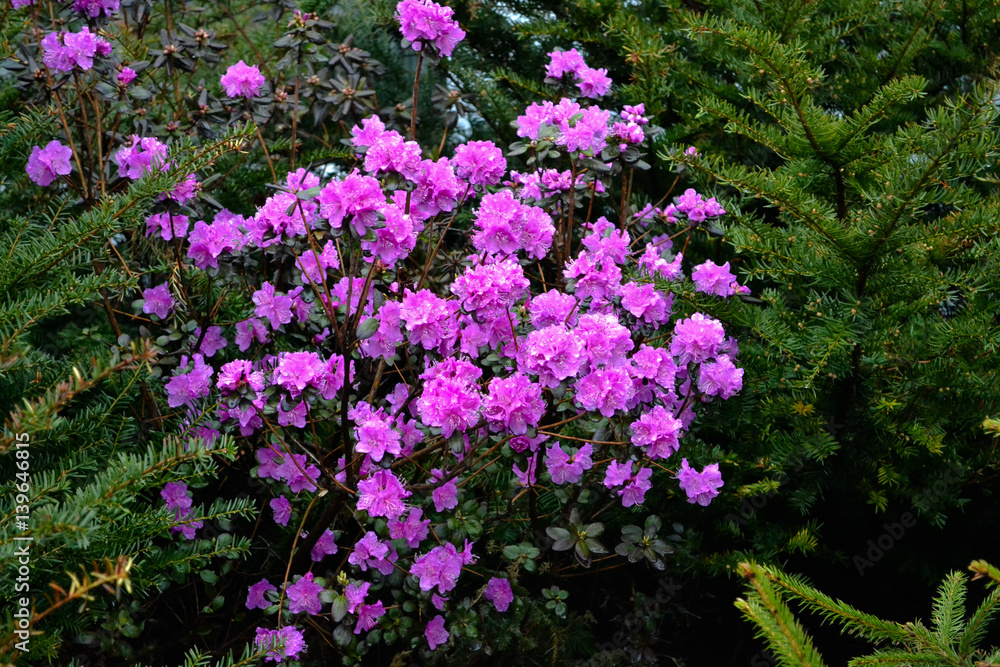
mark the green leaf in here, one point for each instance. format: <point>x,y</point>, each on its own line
<point>368,328</point>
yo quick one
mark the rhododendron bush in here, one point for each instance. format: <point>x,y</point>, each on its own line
<point>436,365</point>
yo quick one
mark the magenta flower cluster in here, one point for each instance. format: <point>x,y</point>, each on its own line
<point>426,23</point>
<point>592,83</point>
<point>478,366</point>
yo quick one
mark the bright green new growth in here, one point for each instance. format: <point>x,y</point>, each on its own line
<point>952,639</point>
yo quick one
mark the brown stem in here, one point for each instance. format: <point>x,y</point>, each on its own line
<point>416,89</point>
<point>270,164</point>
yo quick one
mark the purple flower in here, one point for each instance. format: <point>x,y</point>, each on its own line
<point>504,226</point>
<point>168,225</point>
<point>288,637</point>
<point>249,330</point>
<point>297,370</point>
<point>513,404</point>
<point>696,339</point>
<point>593,277</point>
<point>451,399</point>
<point>297,474</point>
<point>212,342</point>
<point>435,632</point>
<point>395,239</point>
<point>438,188</point>
<point>94,8</point>
<point>635,113</point>
<point>606,390</point>
<point>54,55</point>
<point>368,551</point>
<point>605,340</point>
<point>314,267</point>
<point>720,378</point>
<point>45,164</point>
<point>587,134</point>
<point>391,152</point>
<point>713,279</point>
<point>184,191</point>
<point>427,317</point>
<point>208,242</point>
<point>634,492</point>
<point>295,417</point>
<point>529,125</point>
<point>22,3</point>
<point>479,163</point>
<point>126,76</point>
<point>498,592</point>
<point>374,432</point>
<point>237,374</point>
<point>325,546</point>
<point>413,530</point>
<point>389,335</point>
<point>242,80</point>
<point>303,595</point>
<point>564,62</point>
<point>658,431</point>
<point>702,486</point>
<point>645,302</point>
<point>489,289</point>
<point>175,496</point>
<point>255,596</point>
<point>186,389</point>
<point>618,473</point>
<point>355,595</point>
<point>593,83</point>
<point>445,497</point>
<point>440,567</point>
<point>275,306</point>
<point>282,510</point>
<point>76,49</point>
<point>653,263</point>
<point>425,22</point>
<point>382,495</point>
<point>553,354</point>
<point>142,157</point>
<point>564,467</point>
<point>553,308</point>
<point>368,615</point>
<point>158,301</point>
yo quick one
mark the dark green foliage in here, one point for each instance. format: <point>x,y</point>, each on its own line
<point>81,393</point>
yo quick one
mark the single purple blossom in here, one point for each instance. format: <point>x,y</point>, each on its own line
<point>499,593</point>
<point>45,164</point>
<point>255,596</point>
<point>325,546</point>
<point>242,80</point>
<point>282,510</point>
<point>436,633</point>
<point>303,595</point>
<point>700,487</point>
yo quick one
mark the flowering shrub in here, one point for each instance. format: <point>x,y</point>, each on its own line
<point>376,387</point>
